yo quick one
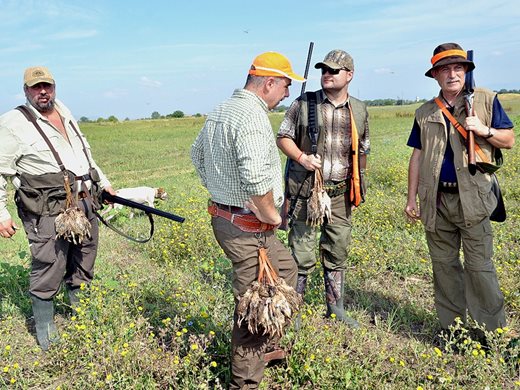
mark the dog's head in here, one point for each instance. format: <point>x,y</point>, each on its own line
<point>160,193</point>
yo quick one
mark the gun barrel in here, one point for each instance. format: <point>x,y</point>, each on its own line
<point>307,65</point>
<point>469,80</point>
<point>147,209</point>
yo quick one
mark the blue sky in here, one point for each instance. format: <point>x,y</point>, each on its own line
<point>131,58</point>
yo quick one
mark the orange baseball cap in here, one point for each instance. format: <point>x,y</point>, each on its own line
<point>273,64</point>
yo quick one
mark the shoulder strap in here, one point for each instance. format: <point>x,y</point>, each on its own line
<point>82,143</point>
<point>30,117</point>
<point>460,129</point>
<point>25,111</point>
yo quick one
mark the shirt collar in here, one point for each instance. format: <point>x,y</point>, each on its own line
<point>245,94</point>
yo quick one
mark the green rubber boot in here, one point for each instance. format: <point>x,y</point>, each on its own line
<point>334,296</point>
<point>46,332</point>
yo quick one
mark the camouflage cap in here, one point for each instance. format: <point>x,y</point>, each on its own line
<point>337,59</point>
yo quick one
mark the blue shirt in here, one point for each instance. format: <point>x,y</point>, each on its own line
<point>500,121</point>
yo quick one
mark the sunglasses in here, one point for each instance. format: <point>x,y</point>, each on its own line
<point>330,71</point>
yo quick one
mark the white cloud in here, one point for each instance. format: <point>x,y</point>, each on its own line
<point>115,93</point>
<point>79,34</point>
<point>147,82</point>
<point>384,71</point>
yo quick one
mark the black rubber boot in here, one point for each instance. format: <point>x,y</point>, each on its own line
<point>43,311</point>
<point>301,284</point>
<point>334,296</point>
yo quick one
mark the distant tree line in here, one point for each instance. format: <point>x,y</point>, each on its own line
<point>111,118</point>
<point>508,91</point>
<point>393,102</point>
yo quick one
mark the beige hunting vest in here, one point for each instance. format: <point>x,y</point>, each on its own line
<point>475,191</point>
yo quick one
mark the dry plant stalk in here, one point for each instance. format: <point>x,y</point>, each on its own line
<point>319,203</point>
<point>269,303</point>
<point>72,223</point>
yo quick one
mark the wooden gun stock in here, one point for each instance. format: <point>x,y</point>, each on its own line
<point>470,86</point>
<point>472,164</point>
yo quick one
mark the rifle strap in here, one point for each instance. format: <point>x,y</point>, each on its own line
<point>460,129</point>
<point>312,120</point>
<point>113,228</point>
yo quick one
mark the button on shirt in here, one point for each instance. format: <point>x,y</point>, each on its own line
<point>235,153</point>
<point>23,150</point>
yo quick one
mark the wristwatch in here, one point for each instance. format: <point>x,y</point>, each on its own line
<point>489,134</point>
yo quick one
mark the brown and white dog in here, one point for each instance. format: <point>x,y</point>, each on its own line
<point>142,195</point>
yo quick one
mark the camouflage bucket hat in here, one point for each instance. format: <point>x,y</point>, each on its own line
<point>337,59</point>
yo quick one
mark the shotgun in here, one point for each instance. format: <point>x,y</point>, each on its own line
<point>468,95</point>
<point>106,197</point>
<point>287,201</point>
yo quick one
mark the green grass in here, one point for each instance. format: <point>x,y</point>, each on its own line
<point>159,315</point>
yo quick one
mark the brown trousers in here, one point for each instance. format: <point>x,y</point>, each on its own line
<point>56,260</point>
<point>247,349</point>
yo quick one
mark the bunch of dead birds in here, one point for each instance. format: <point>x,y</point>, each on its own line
<point>72,224</point>
<point>269,304</point>
<point>319,203</point>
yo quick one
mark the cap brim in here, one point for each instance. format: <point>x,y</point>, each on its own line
<point>328,64</point>
<point>37,81</point>
<point>295,77</point>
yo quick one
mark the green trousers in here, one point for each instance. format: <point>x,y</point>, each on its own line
<point>470,286</point>
<point>334,241</point>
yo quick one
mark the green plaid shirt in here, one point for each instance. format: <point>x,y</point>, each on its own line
<point>235,153</point>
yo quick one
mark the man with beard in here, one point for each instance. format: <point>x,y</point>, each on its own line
<point>49,163</point>
<point>326,131</point>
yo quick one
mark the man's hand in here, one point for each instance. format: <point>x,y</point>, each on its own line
<point>412,212</point>
<point>473,123</point>
<point>310,162</point>
<point>268,216</point>
<point>7,228</point>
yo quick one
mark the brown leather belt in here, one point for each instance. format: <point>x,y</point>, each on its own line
<point>243,219</point>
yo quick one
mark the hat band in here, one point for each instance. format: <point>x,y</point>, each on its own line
<point>448,53</point>
<point>266,71</point>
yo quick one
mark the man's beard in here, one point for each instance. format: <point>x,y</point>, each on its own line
<point>42,107</point>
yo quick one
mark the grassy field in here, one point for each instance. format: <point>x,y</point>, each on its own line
<point>159,315</point>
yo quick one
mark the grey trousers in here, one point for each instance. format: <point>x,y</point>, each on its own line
<point>56,260</point>
<point>247,349</point>
<point>472,286</point>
